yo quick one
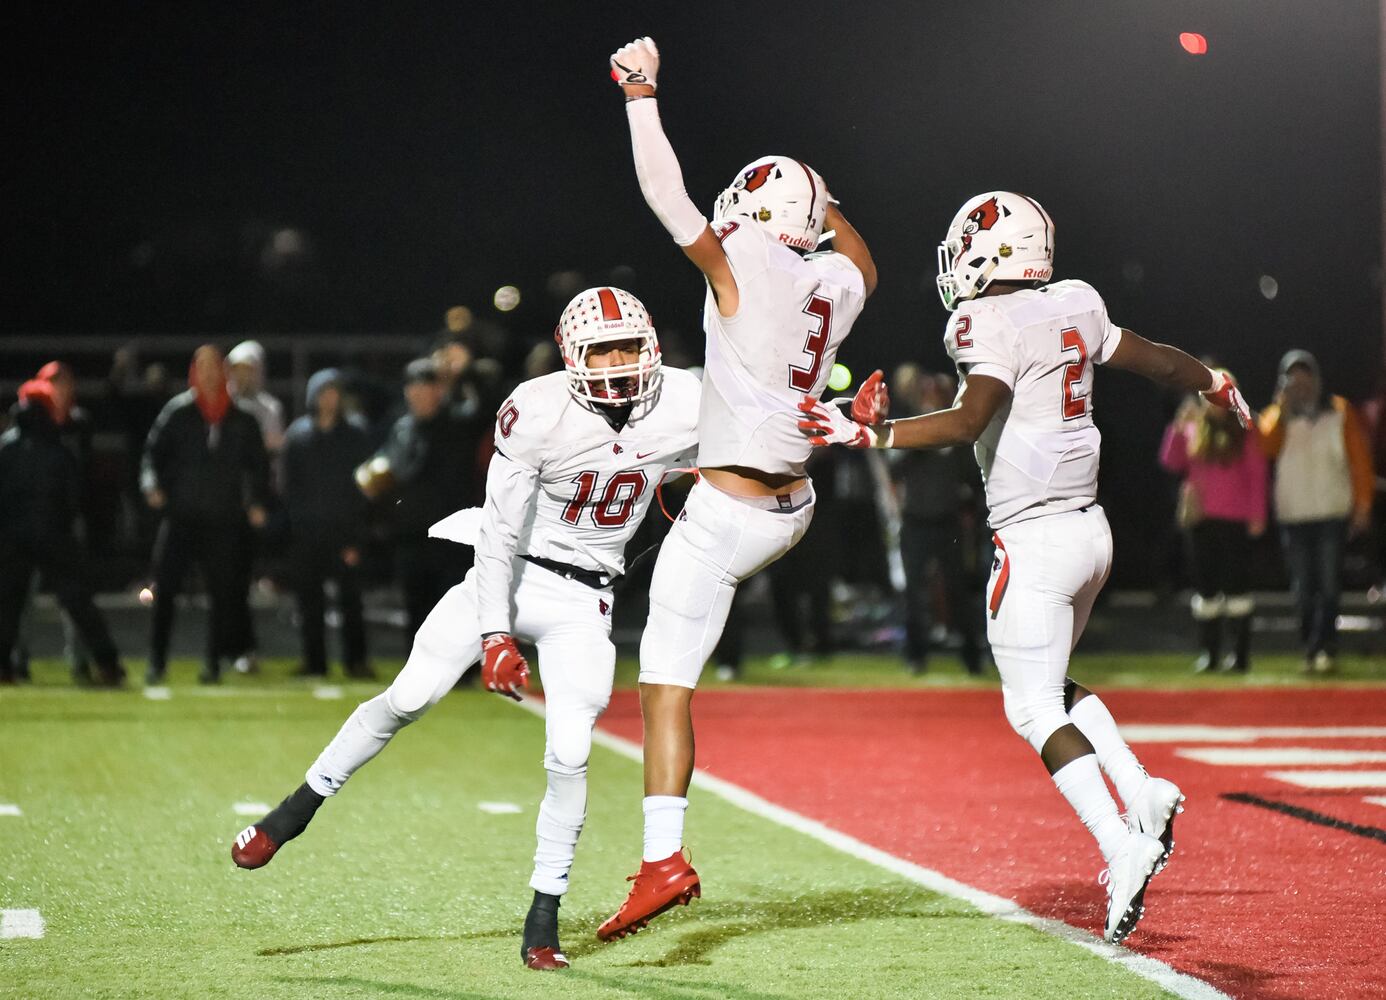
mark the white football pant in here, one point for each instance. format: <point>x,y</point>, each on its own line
<point>718,541</point>
<point>1046,574</point>
<point>570,624</point>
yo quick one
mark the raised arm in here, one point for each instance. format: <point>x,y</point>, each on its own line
<point>634,67</point>
<point>1169,366</point>
<point>848,242</point>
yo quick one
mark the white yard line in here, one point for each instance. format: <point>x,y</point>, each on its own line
<point>1332,779</point>
<point>1279,756</point>
<point>250,808</point>
<point>158,693</point>
<point>21,924</point>
<point>1244,734</point>
<point>1376,800</point>
<point>1151,969</point>
<point>327,692</point>
<point>499,808</point>
<point>10,809</point>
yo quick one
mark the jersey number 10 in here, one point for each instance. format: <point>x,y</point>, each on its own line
<point>616,504</point>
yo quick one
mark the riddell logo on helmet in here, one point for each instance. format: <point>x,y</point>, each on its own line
<point>802,242</point>
<point>1042,273</point>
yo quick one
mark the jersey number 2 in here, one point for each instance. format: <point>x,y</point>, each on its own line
<point>1075,403</point>
<point>617,502</point>
<point>804,379</point>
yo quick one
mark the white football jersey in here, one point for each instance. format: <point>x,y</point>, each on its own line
<point>566,485</point>
<point>1039,455</point>
<point>794,312</point>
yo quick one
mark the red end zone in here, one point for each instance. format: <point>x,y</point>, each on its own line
<point>1277,893</point>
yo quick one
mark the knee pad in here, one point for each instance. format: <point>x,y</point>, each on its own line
<point>568,742</point>
<point>1208,608</point>
<point>380,718</point>
<point>1035,715</point>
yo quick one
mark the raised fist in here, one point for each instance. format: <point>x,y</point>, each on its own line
<point>636,63</point>
<point>871,405</point>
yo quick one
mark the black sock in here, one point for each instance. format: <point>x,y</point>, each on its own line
<point>541,923</point>
<point>291,817</point>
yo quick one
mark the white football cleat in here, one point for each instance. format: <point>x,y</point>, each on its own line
<point>1126,877</point>
<point>1153,810</point>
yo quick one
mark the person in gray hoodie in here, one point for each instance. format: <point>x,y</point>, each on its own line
<point>327,521</point>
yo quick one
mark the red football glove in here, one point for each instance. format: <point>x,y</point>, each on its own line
<point>503,669</point>
<point>1224,394</point>
<point>825,425</point>
<point>871,404</point>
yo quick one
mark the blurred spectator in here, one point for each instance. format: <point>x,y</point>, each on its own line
<point>428,462</point>
<point>543,358</point>
<point>39,492</point>
<point>1323,490</point>
<point>247,386</point>
<point>327,521</point>
<point>137,396</point>
<point>1222,507</point>
<point>934,544</point>
<point>246,383</point>
<point>206,471</point>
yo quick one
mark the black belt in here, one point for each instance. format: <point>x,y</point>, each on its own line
<point>589,577</point>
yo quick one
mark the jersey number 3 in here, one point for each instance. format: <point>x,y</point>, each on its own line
<point>616,504</point>
<point>1075,401</point>
<point>804,379</point>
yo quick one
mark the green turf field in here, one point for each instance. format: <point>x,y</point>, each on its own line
<point>403,887</point>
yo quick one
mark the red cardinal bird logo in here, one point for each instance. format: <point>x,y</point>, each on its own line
<point>984,216</point>
<point>756,177</point>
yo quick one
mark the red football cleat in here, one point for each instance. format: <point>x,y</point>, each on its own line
<point>659,886</point>
<point>545,958</point>
<point>253,848</point>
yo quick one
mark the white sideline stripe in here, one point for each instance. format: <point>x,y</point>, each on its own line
<point>1244,734</point>
<point>1376,800</point>
<point>1332,779</point>
<point>1147,968</point>
<point>498,808</point>
<point>10,809</point>
<point>21,924</point>
<point>250,808</point>
<point>1279,756</point>
<point>158,693</point>
<point>328,692</point>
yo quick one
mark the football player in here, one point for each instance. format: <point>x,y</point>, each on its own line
<point>774,315</point>
<point>1025,351</point>
<point>579,455</point>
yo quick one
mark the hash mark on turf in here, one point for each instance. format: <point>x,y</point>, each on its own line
<point>1308,815</point>
<point>158,693</point>
<point>10,809</point>
<point>250,808</point>
<point>327,692</point>
<point>21,924</point>
<point>498,808</point>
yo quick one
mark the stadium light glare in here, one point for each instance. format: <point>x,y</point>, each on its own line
<point>1193,43</point>
<point>507,297</point>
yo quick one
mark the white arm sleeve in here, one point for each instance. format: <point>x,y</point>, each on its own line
<point>510,492</point>
<point>661,180</point>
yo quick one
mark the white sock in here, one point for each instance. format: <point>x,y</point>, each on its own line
<point>1095,722</point>
<point>362,736</point>
<point>561,816</point>
<point>663,825</point>
<point>1080,781</point>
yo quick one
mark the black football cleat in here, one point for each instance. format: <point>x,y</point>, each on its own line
<point>540,949</point>
<point>257,844</point>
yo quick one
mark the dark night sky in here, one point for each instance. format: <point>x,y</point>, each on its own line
<point>433,152</point>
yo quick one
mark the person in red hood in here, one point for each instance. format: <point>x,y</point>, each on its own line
<point>38,494</point>
<point>205,470</point>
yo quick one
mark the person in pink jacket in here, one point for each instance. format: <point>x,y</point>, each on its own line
<point>1222,506</point>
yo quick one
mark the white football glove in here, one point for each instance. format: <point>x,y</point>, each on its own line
<point>636,62</point>
<point>825,425</point>
<point>1224,394</point>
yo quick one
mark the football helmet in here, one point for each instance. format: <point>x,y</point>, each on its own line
<point>998,236</point>
<point>606,315</point>
<point>780,193</point>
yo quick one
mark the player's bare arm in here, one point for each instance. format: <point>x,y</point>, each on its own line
<point>1169,366</point>
<point>962,423</point>
<point>848,242</point>
<point>634,66</point>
